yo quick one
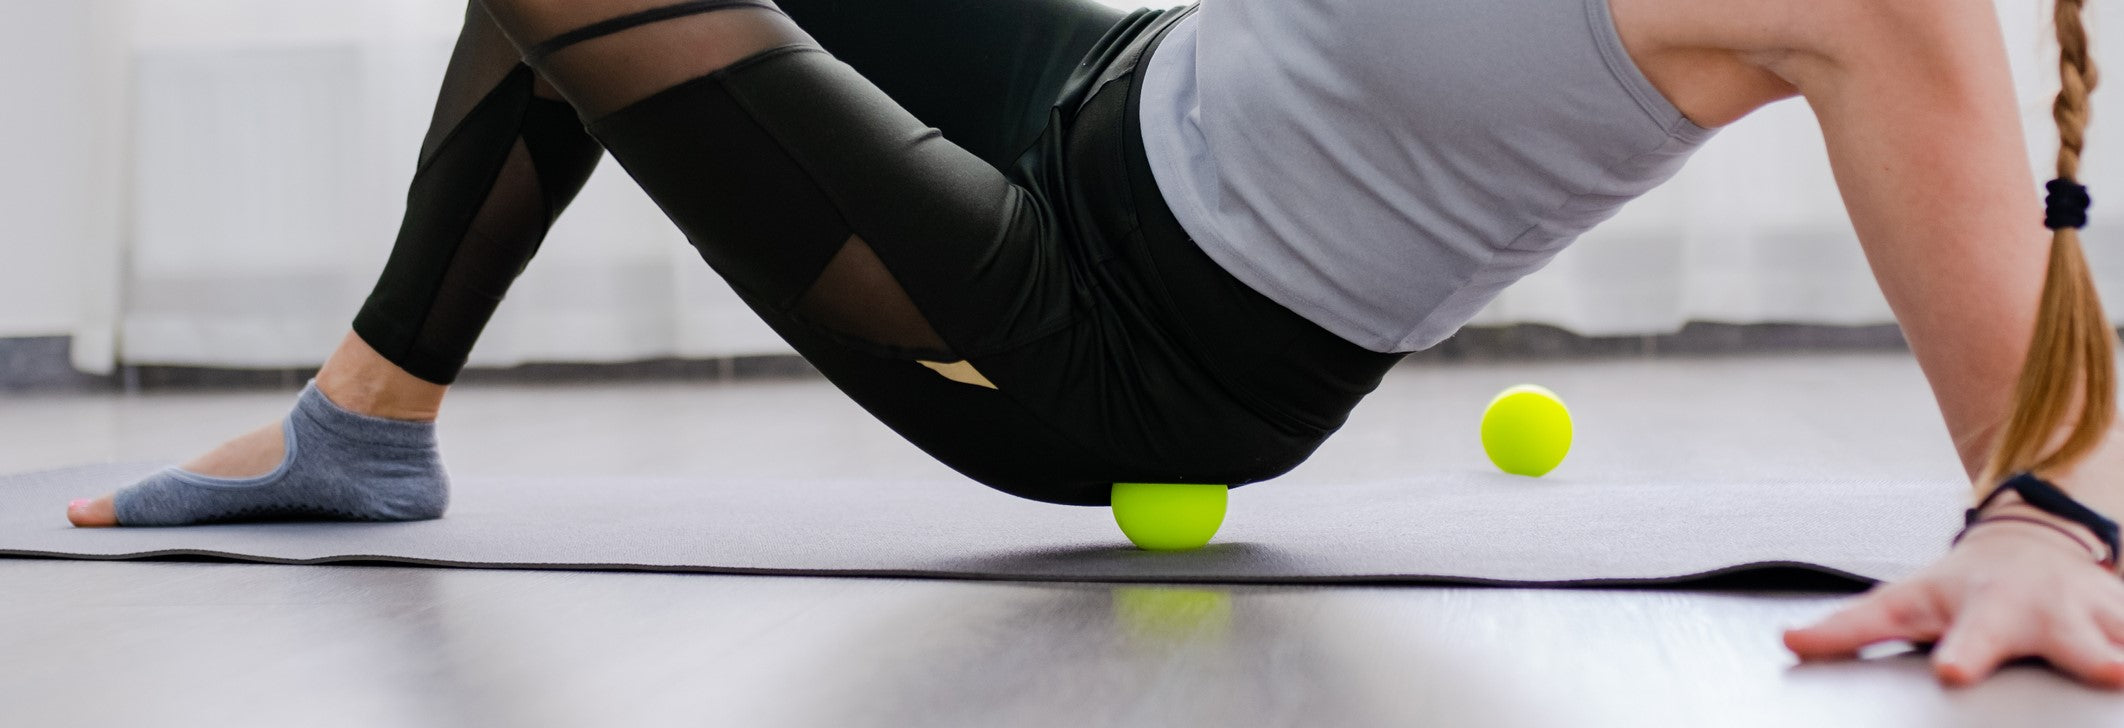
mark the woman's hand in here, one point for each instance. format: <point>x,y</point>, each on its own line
<point>2008,590</point>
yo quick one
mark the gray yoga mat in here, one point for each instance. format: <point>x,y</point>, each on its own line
<point>1453,527</point>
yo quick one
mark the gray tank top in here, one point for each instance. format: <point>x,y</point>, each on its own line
<point>1386,167</point>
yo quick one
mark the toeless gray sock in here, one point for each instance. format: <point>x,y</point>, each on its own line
<point>339,466</point>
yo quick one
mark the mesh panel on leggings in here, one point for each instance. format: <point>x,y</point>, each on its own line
<point>501,158</point>
<point>604,55</point>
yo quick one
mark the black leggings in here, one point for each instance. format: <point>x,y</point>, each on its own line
<point>943,205</point>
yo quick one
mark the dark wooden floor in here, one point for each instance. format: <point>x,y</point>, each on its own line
<point>176,643</point>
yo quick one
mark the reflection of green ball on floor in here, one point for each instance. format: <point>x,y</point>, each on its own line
<point>1163,616</point>
<point>1169,516</point>
<point>1526,430</point>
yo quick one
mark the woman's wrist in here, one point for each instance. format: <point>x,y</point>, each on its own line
<point>2010,515</point>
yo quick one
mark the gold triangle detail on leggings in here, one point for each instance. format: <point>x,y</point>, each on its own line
<point>960,371</point>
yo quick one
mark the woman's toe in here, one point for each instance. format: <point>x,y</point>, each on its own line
<point>88,513</point>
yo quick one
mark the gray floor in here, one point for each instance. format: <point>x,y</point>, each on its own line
<point>227,644</point>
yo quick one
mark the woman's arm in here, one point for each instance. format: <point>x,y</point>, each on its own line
<point>1926,143</point>
<point>1918,111</point>
<point>1920,119</point>
<point>1917,106</point>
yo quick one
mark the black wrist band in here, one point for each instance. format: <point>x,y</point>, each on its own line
<point>2062,531</point>
<point>2048,498</point>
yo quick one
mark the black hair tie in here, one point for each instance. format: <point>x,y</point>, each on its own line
<point>2066,205</point>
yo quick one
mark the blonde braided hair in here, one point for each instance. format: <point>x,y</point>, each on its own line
<point>2069,360</point>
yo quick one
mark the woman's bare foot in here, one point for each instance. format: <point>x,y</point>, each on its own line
<point>251,454</point>
<point>355,378</point>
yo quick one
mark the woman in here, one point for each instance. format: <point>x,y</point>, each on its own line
<point>1057,246</point>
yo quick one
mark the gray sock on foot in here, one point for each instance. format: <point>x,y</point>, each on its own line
<point>339,466</point>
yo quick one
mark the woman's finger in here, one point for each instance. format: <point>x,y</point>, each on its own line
<point>1978,642</point>
<point>1891,614</point>
<point>2109,617</point>
<point>2077,646</point>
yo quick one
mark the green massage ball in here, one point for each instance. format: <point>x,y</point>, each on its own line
<point>1169,516</point>
<point>1526,430</point>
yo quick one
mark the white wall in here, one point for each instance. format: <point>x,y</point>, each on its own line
<point>251,157</point>
<point>272,144</point>
<point>61,206</point>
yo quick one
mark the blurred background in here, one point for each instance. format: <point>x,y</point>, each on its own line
<point>215,183</point>
<point>201,192</point>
